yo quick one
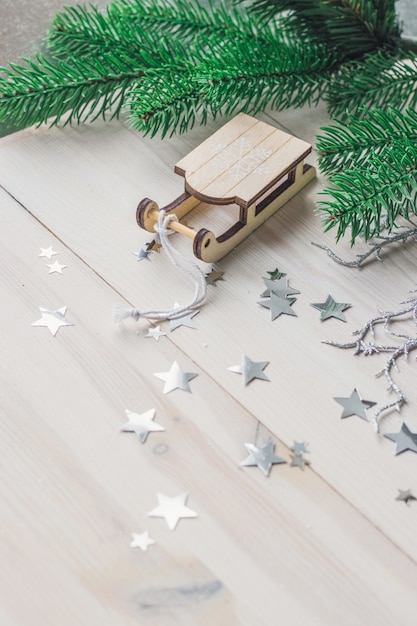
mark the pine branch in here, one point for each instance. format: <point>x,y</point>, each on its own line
<point>167,102</point>
<point>359,198</point>
<point>377,80</point>
<point>353,27</point>
<point>85,88</point>
<point>248,75</point>
<point>81,31</point>
<point>350,145</point>
<point>127,24</point>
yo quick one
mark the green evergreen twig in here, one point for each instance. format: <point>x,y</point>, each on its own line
<point>351,27</point>
<point>377,80</point>
<point>349,145</point>
<point>248,75</point>
<point>368,200</point>
<point>82,89</point>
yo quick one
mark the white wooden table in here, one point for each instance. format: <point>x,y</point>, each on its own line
<point>328,545</point>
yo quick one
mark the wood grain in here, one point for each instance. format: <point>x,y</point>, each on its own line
<point>326,545</point>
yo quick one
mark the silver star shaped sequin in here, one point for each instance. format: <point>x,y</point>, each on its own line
<point>141,424</point>
<point>48,253</point>
<point>262,457</point>
<point>184,320</point>
<point>172,509</point>
<point>142,254</point>
<point>53,320</point>
<point>298,460</point>
<point>354,405</point>
<point>142,541</point>
<point>155,333</point>
<point>405,439</point>
<point>176,378</point>
<point>214,277</point>
<point>299,447</point>
<point>405,496</point>
<point>278,305</point>
<point>55,267</point>
<point>250,369</point>
<point>279,287</point>
<point>330,308</point>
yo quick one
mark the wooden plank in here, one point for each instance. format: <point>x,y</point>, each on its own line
<point>218,172</point>
<point>277,159</point>
<point>197,158</point>
<point>338,523</point>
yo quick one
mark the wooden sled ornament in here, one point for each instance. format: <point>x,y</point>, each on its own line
<point>246,162</point>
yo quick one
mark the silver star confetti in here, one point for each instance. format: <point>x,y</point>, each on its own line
<point>55,267</point>
<point>176,378</point>
<point>172,509</point>
<point>141,424</point>
<point>405,496</point>
<point>155,333</point>
<point>48,253</point>
<point>299,447</point>
<point>276,274</point>
<point>142,541</point>
<point>330,308</point>
<point>262,457</point>
<point>142,254</point>
<point>184,320</point>
<point>354,405</point>
<point>279,287</point>
<point>250,369</point>
<point>53,320</point>
<point>278,305</point>
<point>405,439</point>
<point>298,460</point>
<point>214,277</point>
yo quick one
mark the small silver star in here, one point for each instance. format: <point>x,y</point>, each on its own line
<point>47,252</point>
<point>214,277</point>
<point>276,274</point>
<point>176,378</point>
<point>278,305</point>
<point>354,405</point>
<point>141,424</point>
<point>279,287</point>
<point>405,496</point>
<point>185,320</point>
<point>55,267</point>
<point>155,333</point>
<point>142,541</point>
<point>299,447</point>
<point>405,439</point>
<point>142,254</point>
<point>250,369</point>
<point>53,320</point>
<point>297,460</point>
<point>262,457</point>
<point>330,308</point>
<point>172,509</point>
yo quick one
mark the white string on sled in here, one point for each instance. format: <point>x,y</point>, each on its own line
<point>194,274</point>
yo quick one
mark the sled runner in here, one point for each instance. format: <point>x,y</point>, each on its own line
<point>246,162</point>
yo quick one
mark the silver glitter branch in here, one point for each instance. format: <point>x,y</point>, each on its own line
<point>375,248</point>
<point>367,348</point>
